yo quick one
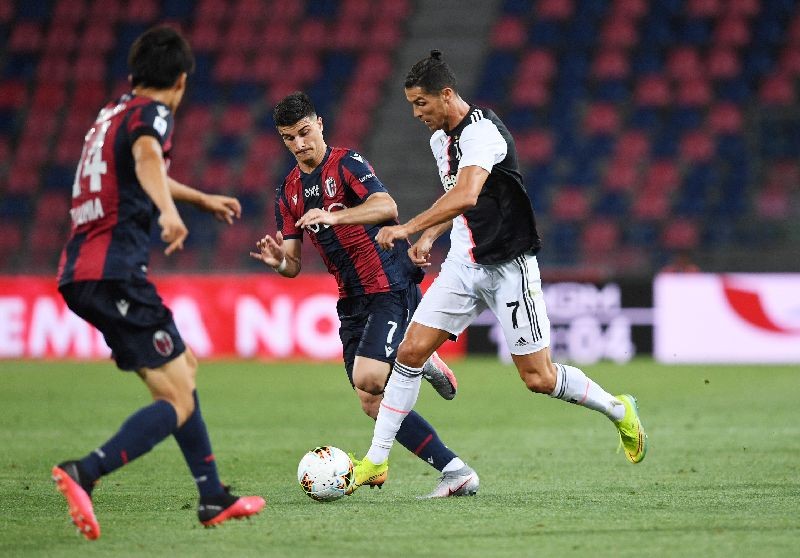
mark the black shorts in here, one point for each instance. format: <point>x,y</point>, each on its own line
<point>136,325</point>
<point>373,325</point>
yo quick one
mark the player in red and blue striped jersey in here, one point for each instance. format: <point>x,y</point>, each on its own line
<point>334,196</point>
<point>121,187</point>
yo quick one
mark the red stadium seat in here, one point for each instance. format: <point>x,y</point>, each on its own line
<point>621,175</point>
<point>650,204</point>
<point>773,203</point>
<point>723,63</point>
<point>54,67</point>
<point>629,9</point>
<point>697,146</point>
<point>698,9</point>
<point>62,37</point>
<point>508,33</point>
<point>652,91</point>
<point>90,67</point>
<point>570,204</point>
<point>241,37</point>
<point>347,35</point>
<point>663,175</point>
<point>694,92</point>
<point>236,120</point>
<point>745,8</point>
<point>26,36</point>
<point>97,38</point>
<point>732,32</point>
<point>619,32</point>
<point>373,67</point>
<point>529,93</point>
<point>385,36</point>
<point>601,118</point>
<point>105,11</point>
<point>303,67</point>
<point>633,145</point>
<point>312,34</point>
<point>611,64</point>
<point>600,236</point>
<point>211,11</point>
<point>231,67</point>
<point>680,234</point>
<point>250,10</point>
<point>536,146</point>
<point>205,36</point>
<point>217,177</point>
<point>266,68</point>
<point>557,10</point>
<point>13,94</point>
<point>52,207</point>
<point>777,90</point>
<point>790,61</point>
<point>23,178</point>
<point>537,65</point>
<point>725,118</point>
<point>684,63</point>
<point>69,11</point>
<point>394,10</point>
<point>141,11</point>
<point>256,176</point>
<point>355,10</point>
<point>11,244</point>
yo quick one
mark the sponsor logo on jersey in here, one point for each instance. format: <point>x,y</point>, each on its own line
<point>366,177</point>
<point>162,342</point>
<point>521,342</point>
<point>330,187</point>
<point>311,191</point>
<point>294,199</point>
<point>357,157</point>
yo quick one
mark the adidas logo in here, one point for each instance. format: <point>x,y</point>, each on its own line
<point>520,342</point>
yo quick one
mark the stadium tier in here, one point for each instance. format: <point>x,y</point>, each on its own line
<point>644,128</point>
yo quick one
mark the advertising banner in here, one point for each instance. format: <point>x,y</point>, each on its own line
<point>219,316</point>
<point>729,318</point>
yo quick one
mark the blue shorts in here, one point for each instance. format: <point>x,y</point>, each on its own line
<point>136,325</point>
<point>373,325</point>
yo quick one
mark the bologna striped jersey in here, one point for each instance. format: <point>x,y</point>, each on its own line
<point>111,213</point>
<point>502,225</point>
<point>344,179</point>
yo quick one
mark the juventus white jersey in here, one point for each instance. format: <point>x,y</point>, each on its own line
<point>502,225</point>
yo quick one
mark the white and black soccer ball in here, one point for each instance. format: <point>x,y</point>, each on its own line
<point>325,473</point>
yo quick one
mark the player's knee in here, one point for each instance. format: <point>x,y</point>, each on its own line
<point>370,384</point>
<point>413,353</point>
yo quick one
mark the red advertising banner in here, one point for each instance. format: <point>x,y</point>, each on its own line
<point>219,316</point>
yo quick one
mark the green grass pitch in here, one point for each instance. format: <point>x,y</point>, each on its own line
<point>722,476</point>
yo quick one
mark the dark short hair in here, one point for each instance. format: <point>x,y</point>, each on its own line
<point>158,57</point>
<point>432,74</point>
<point>293,108</point>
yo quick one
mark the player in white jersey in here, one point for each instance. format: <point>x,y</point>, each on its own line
<point>491,264</point>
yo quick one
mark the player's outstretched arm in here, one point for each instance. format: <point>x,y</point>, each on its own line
<point>224,208</point>
<point>152,175</point>
<point>377,208</point>
<point>281,255</point>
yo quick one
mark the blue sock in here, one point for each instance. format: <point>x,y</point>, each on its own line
<point>419,437</point>
<point>138,434</point>
<point>193,440</point>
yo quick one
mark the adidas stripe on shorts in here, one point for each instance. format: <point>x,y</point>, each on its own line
<point>511,290</point>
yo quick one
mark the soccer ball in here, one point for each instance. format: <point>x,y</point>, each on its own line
<point>325,473</point>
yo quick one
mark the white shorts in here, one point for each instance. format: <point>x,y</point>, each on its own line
<point>512,290</point>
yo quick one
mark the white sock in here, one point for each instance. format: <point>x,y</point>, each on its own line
<point>399,398</point>
<point>573,386</point>
<point>454,465</point>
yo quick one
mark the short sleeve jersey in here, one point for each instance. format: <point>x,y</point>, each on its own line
<point>502,225</point>
<point>111,214</point>
<point>344,179</point>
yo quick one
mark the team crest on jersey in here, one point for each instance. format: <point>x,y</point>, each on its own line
<point>162,341</point>
<point>330,187</point>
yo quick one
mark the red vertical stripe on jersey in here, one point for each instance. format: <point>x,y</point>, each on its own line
<point>372,259</point>
<point>471,240</point>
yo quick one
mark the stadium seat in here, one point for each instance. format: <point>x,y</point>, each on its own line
<point>611,64</point>
<point>732,31</point>
<point>680,234</point>
<point>508,33</point>
<point>570,204</point>
<point>777,90</point>
<point>652,91</point>
<point>697,146</point>
<point>622,174</point>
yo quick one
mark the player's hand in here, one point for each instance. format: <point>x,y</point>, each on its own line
<point>316,216</point>
<point>387,235</point>
<point>224,208</point>
<point>270,250</point>
<point>420,252</point>
<point>173,231</point>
